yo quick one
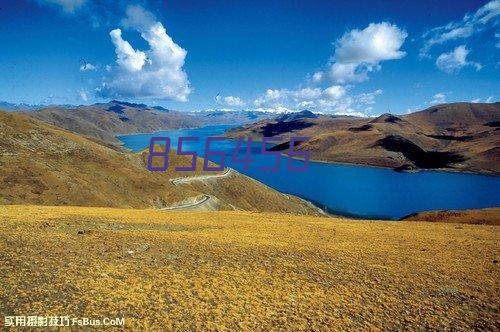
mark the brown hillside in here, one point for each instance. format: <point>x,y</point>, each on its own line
<point>105,121</point>
<point>45,165</point>
<point>456,117</point>
<point>474,216</point>
<point>461,136</point>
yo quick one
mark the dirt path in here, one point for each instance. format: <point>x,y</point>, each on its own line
<point>189,179</point>
<point>206,198</point>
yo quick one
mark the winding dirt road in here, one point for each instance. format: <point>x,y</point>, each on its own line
<point>189,179</point>
<point>188,205</point>
<point>205,199</point>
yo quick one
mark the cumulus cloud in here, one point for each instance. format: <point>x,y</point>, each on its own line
<point>484,18</point>
<point>359,52</point>
<point>455,60</point>
<point>331,100</point>
<point>154,73</point>
<point>335,92</point>
<point>127,58</point>
<point>68,6</point>
<point>439,98</point>
<point>230,101</point>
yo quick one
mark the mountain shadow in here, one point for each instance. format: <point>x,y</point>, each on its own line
<point>417,155</point>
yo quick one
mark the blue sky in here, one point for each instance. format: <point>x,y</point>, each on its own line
<point>344,57</point>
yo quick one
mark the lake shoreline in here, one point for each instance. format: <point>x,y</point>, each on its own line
<point>415,170</point>
<point>350,190</point>
<point>322,161</point>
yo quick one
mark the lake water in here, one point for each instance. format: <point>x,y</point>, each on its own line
<point>360,191</point>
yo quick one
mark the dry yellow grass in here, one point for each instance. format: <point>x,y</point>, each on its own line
<point>246,271</point>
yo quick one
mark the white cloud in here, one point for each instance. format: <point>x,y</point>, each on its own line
<point>127,58</point>
<point>332,100</point>
<point>455,60</point>
<point>369,98</point>
<point>88,67</point>
<point>306,94</point>
<point>83,95</point>
<point>272,97</point>
<point>154,73</point>
<point>68,6</point>
<point>335,92</point>
<point>439,98</point>
<point>230,101</point>
<point>350,72</point>
<point>317,77</point>
<point>375,43</point>
<point>484,18</point>
<point>487,100</point>
<point>359,52</point>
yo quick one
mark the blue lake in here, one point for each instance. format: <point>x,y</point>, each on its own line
<point>360,191</point>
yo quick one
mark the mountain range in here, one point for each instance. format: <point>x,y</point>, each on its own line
<point>458,136</point>
<point>106,120</point>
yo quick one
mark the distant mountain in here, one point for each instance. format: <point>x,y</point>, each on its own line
<point>296,116</point>
<point>220,117</point>
<point>17,107</point>
<point>459,136</point>
<point>44,165</point>
<point>133,105</point>
<point>106,120</point>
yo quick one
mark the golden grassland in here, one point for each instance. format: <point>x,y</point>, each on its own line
<point>247,271</point>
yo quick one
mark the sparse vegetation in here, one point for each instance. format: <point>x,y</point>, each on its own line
<point>247,271</point>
